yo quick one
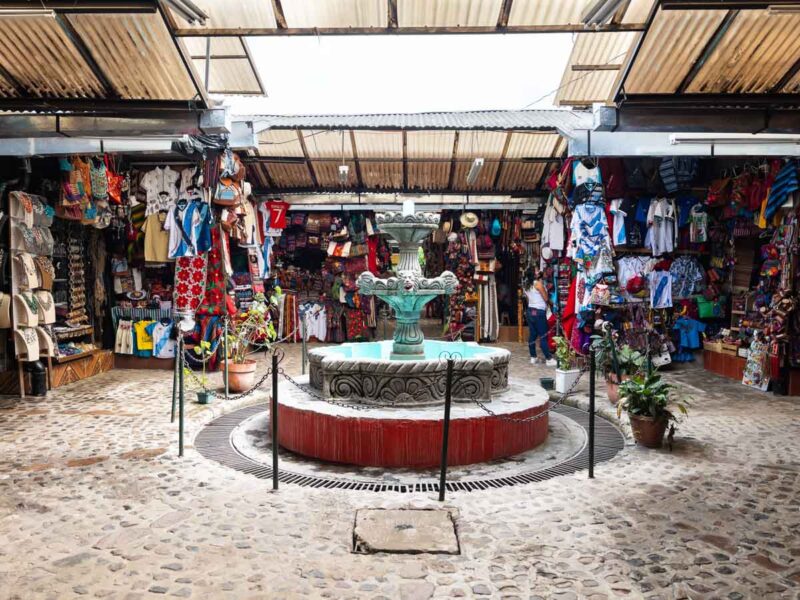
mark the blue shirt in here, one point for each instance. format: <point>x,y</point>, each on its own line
<point>690,331</point>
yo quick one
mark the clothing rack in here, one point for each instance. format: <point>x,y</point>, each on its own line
<point>138,314</point>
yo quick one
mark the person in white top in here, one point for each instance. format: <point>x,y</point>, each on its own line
<point>536,315</point>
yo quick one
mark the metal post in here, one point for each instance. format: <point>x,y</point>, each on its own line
<point>175,383</point>
<point>446,428</point>
<point>274,421</point>
<point>208,63</point>
<point>180,395</point>
<point>303,342</point>
<point>385,314</point>
<point>591,412</point>
<point>225,350</point>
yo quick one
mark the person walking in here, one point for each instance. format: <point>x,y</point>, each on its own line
<point>536,315</point>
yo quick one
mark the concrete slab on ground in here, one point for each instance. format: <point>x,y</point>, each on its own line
<point>405,531</point>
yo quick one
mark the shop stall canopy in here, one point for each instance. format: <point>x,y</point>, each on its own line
<point>371,17</point>
<point>484,153</point>
<point>93,56</point>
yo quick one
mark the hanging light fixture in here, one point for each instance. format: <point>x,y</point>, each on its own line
<point>474,171</point>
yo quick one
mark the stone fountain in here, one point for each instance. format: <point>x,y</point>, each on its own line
<point>408,371</point>
<point>403,381</point>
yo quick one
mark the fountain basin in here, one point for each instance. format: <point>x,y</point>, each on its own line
<point>364,373</point>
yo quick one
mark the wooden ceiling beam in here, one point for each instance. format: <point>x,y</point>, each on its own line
<point>502,159</point>
<point>391,11</point>
<point>405,160</point>
<point>505,11</point>
<point>708,50</point>
<point>452,177</point>
<point>280,18</point>
<point>307,158</point>
<point>355,159</point>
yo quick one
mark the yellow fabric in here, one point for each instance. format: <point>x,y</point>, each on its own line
<point>156,238</point>
<point>762,219</point>
<point>144,340</point>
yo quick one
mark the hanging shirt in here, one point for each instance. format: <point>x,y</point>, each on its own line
<point>698,225</point>
<point>184,226</point>
<point>160,184</point>
<point>620,236</point>
<point>163,346</point>
<point>142,340</point>
<point>660,289</point>
<point>252,235</point>
<point>552,228</point>
<point>277,213</point>
<point>190,176</point>
<point>582,174</point>
<point>690,331</point>
<point>687,277</point>
<point>156,238</point>
<point>661,222</point>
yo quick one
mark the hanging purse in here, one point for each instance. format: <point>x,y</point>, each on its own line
<point>719,192</point>
<point>115,184</point>
<point>227,193</point>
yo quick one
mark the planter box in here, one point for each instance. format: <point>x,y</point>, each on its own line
<point>565,379</point>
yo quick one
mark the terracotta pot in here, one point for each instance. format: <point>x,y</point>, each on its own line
<point>647,431</point>
<point>241,376</point>
<point>612,387</point>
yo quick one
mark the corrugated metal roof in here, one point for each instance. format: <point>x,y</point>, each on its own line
<point>524,145</point>
<point>36,52</point>
<point>533,120</point>
<point>430,144</point>
<point>229,76</point>
<point>378,175</point>
<point>137,55</point>
<point>583,87</point>
<point>428,176</point>
<point>328,144</point>
<point>546,12</point>
<point>757,50</point>
<point>448,13</point>
<point>335,13</point>
<point>231,13</point>
<point>671,46</point>
<point>517,176</point>
<point>379,144</point>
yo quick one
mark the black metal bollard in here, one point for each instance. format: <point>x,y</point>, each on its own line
<point>175,384</point>
<point>591,413</point>
<point>274,421</point>
<point>180,395</point>
<point>446,428</point>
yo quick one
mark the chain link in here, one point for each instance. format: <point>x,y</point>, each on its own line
<point>550,406</point>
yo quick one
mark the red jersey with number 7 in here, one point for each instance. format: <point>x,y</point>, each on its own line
<point>277,213</point>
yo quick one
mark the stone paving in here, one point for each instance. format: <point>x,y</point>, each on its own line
<point>94,502</point>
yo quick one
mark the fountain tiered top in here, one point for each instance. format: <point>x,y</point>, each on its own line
<point>409,291</point>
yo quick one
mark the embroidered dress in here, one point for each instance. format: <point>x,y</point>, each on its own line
<point>216,300</point>
<point>190,284</point>
<point>620,236</point>
<point>660,289</point>
<point>161,188</point>
<point>687,277</point>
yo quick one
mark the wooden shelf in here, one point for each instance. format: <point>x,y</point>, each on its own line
<point>65,359</point>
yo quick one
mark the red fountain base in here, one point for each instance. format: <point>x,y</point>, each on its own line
<point>410,438</point>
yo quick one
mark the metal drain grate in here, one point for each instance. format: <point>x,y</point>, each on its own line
<point>213,442</point>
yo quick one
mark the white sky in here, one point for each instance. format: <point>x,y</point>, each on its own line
<point>402,73</point>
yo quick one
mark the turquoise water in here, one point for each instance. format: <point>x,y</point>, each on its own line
<point>433,350</point>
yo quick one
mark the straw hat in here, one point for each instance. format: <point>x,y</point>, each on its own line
<point>469,220</point>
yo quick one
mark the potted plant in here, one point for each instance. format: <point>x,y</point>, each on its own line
<point>567,371</point>
<point>204,352</point>
<point>252,327</point>
<point>649,402</point>
<point>629,362</point>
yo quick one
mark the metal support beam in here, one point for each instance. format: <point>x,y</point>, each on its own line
<point>712,100</point>
<point>704,120</point>
<point>188,65</point>
<point>84,6</point>
<point>301,160</point>
<point>405,159</point>
<point>307,158</point>
<point>707,51</point>
<point>505,11</point>
<point>787,78</point>
<point>280,18</point>
<point>604,67</point>
<point>391,10</point>
<point>724,4</point>
<point>74,37</point>
<point>350,31</point>
<point>632,55</point>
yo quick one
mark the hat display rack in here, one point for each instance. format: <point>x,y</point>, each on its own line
<point>29,312</point>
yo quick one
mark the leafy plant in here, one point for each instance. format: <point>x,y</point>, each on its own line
<point>603,346</point>
<point>203,351</point>
<point>566,357</point>
<point>649,396</point>
<point>630,361</point>
<point>252,327</point>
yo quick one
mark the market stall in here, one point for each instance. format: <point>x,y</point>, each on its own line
<point>680,255</point>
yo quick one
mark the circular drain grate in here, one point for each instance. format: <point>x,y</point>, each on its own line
<point>214,443</point>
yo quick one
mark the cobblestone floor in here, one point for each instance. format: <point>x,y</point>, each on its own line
<point>95,502</point>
